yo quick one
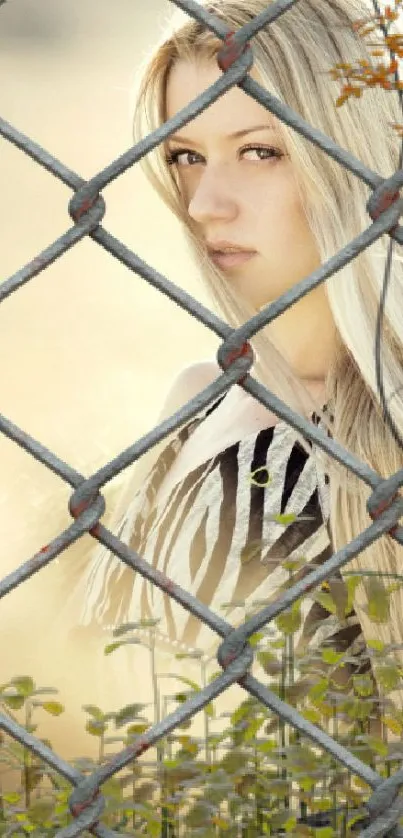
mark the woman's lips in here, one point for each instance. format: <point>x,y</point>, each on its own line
<point>232,260</point>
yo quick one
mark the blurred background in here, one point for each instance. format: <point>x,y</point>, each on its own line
<point>87,348</point>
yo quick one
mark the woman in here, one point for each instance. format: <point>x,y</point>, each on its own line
<point>192,509</point>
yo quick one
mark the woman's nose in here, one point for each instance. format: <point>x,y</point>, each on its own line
<point>214,196</point>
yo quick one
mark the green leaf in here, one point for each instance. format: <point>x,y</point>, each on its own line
<point>358,709</point>
<point>32,776</point>
<point>393,724</point>
<point>294,564</point>
<point>12,797</point>
<point>325,600</point>
<point>269,662</point>
<point>185,725</point>
<point>376,644</point>
<point>30,728</point>
<point>319,689</point>
<point>234,760</point>
<point>279,643</point>
<point>177,772</point>
<point>14,702</point>
<point>351,582</point>
<point>45,690</point>
<point>94,711</point>
<point>196,654</point>
<point>363,685</point>
<point>200,814</point>
<point>240,712</point>
<point>24,684</point>
<point>339,593</point>
<point>283,819</point>
<point>125,627</point>
<point>378,602</point>
<point>395,586</point>
<point>193,684</point>
<point>267,746</point>
<point>377,745</point>
<point>388,676</point>
<point>301,757</point>
<point>128,714</point>
<point>112,646</point>
<point>285,519</point>
<point>41,810</point>
<point>252,728</point>
<point>112,789</point>
<point>331,656</point>
<point>53,707</point>
<point>255,638</point>
<point>290,620</point>
<point>137,729</point>
<point>306,783</point>
<point>95,728</point>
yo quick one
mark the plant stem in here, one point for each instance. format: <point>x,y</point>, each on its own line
<point>28,717</point>
<point>2,810</point>
<point>101,747</point>
<point>257,808</point>
<point>206,724</point>
<point>134,792</point>
<point>160,748</point>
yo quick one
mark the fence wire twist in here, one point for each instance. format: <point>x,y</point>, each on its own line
<point>235,356</point>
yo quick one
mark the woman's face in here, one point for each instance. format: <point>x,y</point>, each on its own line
<point>248,197</point>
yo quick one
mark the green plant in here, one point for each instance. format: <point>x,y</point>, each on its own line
<point>254,776</point>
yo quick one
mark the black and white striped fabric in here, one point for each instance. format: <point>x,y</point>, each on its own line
<point>216,537</point>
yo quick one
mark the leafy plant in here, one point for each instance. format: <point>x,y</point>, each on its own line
<point>254,776</point>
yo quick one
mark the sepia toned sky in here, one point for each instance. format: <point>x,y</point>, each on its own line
<point>87,348</point>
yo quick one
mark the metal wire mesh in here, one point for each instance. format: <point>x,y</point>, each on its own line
<point>87,505</point>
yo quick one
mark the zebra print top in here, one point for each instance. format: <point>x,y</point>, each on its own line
<point>216,537</point>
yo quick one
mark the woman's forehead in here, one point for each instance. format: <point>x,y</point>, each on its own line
<point>188,79</point>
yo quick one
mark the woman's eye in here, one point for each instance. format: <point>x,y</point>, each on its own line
<point>268,153</point>
<point>173,157</point>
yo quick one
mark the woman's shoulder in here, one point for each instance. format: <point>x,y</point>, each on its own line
<point>188,382</point>
<point>198,374</point>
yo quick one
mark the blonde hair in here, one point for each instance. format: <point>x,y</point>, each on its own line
<point>296,71</point>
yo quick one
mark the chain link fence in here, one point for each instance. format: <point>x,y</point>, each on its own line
<point>385,506</point>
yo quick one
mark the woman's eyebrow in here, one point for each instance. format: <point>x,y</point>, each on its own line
<point>236,134</point>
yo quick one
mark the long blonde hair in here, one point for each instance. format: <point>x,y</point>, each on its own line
<point>293,56</point>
